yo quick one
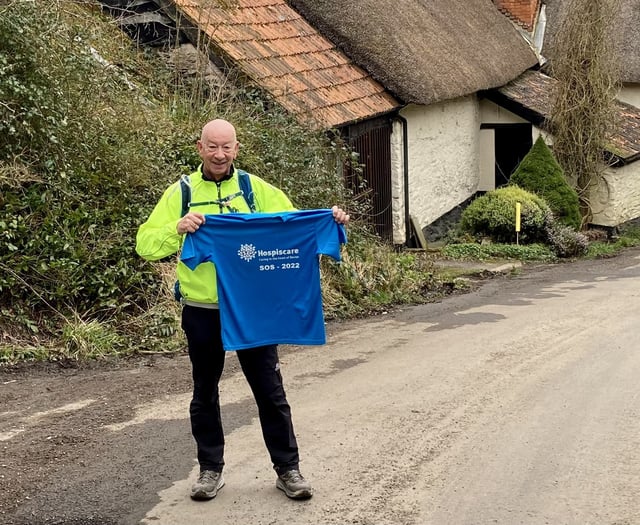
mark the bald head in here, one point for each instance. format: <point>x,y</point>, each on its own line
<point>218,127</point>
<point>218,148</point>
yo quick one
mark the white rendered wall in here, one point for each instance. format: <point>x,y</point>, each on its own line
<point>397,184</point>
<point>491,113</point>
<point>630,94</point>
<point>443,156</point>
<point>617,198</point>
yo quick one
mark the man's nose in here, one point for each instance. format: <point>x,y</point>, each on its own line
<point>219,153</point>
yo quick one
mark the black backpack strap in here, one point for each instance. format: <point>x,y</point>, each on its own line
<point>244,180</point>
<point>185,188</point>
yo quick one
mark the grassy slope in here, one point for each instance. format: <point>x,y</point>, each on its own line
<point>92,130</point>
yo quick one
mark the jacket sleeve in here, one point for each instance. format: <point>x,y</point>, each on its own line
<point>157,237</point>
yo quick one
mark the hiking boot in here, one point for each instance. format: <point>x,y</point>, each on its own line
<point>293,484</point>
<point>207,486</point>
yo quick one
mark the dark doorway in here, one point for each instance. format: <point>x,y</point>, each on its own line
<point>372,141</point>
<point>512,143</point>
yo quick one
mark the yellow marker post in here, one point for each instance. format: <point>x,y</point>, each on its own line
<point>517,223</point>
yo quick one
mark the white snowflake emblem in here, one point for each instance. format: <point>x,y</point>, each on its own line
<point>247,252</point>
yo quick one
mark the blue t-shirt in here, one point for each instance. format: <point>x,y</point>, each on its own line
<point>268,273</point>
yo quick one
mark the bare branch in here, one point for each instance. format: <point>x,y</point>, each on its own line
<point>582,114</point>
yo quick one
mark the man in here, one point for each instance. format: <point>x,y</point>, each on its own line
<point>215,188</point>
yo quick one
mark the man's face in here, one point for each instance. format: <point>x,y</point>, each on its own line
<point>217,149</point>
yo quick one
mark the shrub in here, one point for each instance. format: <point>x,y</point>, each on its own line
<point>77,145</point>
<point>493,215</point>
<point>539,173</point>
<point>373,276</point>
<point>566,242</point>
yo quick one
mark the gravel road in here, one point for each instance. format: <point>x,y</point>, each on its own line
<point>517,403</point>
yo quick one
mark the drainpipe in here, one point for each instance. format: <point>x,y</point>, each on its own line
<point>405,165</point>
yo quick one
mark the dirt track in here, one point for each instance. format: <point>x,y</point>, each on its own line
<point>517,403</point>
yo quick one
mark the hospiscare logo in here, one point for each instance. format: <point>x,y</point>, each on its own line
<point>248,252</point>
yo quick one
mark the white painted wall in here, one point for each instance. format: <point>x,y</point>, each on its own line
<point>397,184</point>
<point>450,158</point>
<point>617,197</point>
<point>630,93</point>
<point>491,113</point>
<point>444,145</point>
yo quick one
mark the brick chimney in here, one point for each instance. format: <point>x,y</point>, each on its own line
<point>522,12</point>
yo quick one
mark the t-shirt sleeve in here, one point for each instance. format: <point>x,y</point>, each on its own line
<point>198,247</point>
<point>330,235</point>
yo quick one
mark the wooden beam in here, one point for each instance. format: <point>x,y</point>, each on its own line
<point>417,231</point>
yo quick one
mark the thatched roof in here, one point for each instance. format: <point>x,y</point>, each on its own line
<point>626,29</point>
<point>424,51</point>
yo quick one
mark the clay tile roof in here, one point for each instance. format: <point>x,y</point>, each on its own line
<point>275,47</point>
<point>530,96</point>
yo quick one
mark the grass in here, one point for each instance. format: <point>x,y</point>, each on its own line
<point>498,251</point>
<point>627,237</point>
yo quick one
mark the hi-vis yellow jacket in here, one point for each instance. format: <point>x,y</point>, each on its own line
<point>157,237</point>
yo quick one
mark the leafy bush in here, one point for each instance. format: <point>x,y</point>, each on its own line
<point>493,215</point>
<point>77,143</point>
<point>69,189</point>
<point>566,242</point>
<point>539,173</point>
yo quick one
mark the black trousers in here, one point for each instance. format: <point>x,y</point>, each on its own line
<point>262,371</point>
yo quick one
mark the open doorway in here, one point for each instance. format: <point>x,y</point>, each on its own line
<point>512,143</point>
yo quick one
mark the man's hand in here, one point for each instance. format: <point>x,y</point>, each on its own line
<point>340,216</point>
<point>190,223</point>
